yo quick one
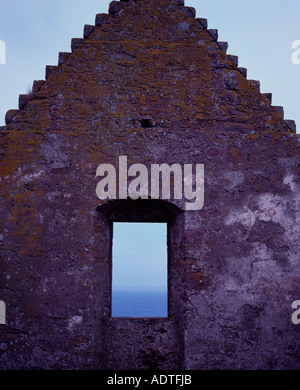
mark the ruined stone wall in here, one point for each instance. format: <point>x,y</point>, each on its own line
<point>244,274</point>
<point>234,264</point>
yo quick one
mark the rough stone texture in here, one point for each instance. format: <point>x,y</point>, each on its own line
<point>233,266</point>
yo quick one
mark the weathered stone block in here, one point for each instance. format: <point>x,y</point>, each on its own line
<point>291,124</point>
<point>23,99</point>
<point>62,57</point>
<point>9,115</point>
<point>115,7</point>
<point>189,11</point>
<point>234,59</point>
<point>255,84</point>
<point>88,29</point>
<point>243,71</point>
<point>280,110</point>
<point>100,19</point>
<point>214,34</point>
<point>49,70</point>
<point>268,96</point>
<point>223,46</point>
<point>75,43</point>
<point>37,84</point>
<point>202,22</point>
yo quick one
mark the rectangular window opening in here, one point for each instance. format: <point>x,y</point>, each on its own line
<point>139,270</point>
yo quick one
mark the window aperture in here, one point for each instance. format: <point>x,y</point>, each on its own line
<point>139,270</point>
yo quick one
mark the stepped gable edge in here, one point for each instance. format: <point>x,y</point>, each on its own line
<point>116,8</point>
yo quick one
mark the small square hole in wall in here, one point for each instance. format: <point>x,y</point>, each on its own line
<point>146,123</point>
<point>139,270</point>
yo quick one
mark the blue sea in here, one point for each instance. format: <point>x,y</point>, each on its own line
<point>139,303</point>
